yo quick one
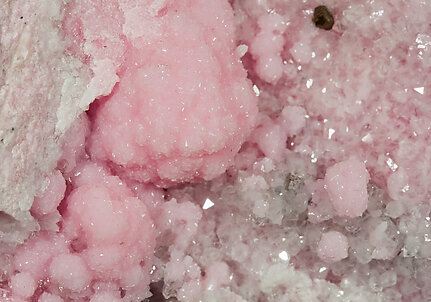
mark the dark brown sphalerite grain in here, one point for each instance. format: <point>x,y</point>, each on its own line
<point>323,18</point>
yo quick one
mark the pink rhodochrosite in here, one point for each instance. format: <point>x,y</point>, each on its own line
<point>182,106</point>
<point>191,150</point>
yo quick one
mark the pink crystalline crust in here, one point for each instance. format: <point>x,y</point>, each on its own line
<point>182,107</point>
<point>107,237</point>
<point>332,247</point>
<point>320,204</point>
<point>23,285</point>
<point>52,195</point>
<point>340,77</point>
<point>195,105</point>
<point>47,297</point>
<point>346,184</point>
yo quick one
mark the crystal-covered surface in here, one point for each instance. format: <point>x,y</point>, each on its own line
<point>328,198</point>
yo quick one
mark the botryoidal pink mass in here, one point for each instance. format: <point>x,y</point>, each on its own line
<point>243,150</point>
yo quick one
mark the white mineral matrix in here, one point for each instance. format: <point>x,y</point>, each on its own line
<point>215,150</point>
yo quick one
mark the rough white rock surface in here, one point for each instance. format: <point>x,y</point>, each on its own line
<point>42,91</point>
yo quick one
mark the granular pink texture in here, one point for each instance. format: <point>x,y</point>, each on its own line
<point>47,297</point>
<point>318,192</point>
<point>183,106</point>
<point>70,272</point>
<point>267,47</point>
<point>332,247</point>
<point>108,237</point>
<point>23,285</point>
<point>110,229</point>
<point>271,135</point>
<point>51,196</point>
<point>346,183</point>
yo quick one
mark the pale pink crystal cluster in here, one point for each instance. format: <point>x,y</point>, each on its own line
<point>233,151</point>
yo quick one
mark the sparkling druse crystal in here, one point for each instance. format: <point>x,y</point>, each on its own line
<point>191,150</point>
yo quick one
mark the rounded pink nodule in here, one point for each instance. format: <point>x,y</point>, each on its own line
<point>346,184</point>
<point>332,247</point>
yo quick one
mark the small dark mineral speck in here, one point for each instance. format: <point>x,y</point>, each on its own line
<point>122,292</point>
<point>322,18</point>
<point>293,182</point>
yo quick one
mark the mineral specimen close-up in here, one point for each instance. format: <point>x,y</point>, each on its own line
<point>215,150</point>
